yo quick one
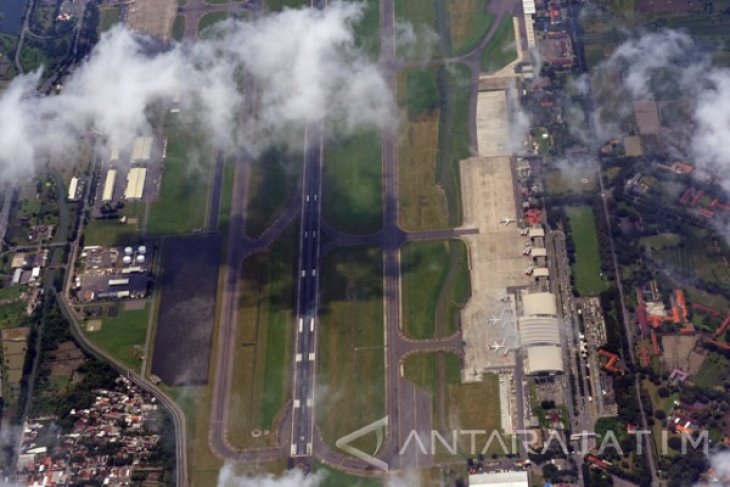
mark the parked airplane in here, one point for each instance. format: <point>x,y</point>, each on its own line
<point>507,220</point>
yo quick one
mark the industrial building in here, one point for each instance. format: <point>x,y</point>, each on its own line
<point>108,192</point>
<point>500,479</point>
<point>539,333</point>
<point>142,149</point>
<point>112,273</point>
<point>135,183</point>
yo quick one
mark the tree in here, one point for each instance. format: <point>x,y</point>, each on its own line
<point>663,392</point>
<point>660,414</point>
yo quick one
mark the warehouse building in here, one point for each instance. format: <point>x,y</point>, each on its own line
<point>135,183</point>
<point>108,192</point>
<point>142,149</point>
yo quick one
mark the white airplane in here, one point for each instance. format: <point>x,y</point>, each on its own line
<point>524,231</point>
<point>494,320</point>
<point>507,220</point>
<point>496,346</point>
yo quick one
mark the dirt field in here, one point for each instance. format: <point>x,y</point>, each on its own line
<point>679,353</point>
<point>153,17</point>
<point>185,324</point>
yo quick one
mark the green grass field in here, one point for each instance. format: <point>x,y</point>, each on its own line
<point>109,18</point>
<point>335,478</point>
<point>435,287</point>
<point>431,147</point>
<point>124,335</point>
<point>694,253</point>
<point>178,28</point>
<point>476,406</point>
<point>454,138</point>
<point>713,368</point>
<point>501,50</point>
<point>210,19</point>
<point>112,231</point>
<point>419,13</point>
<point>587,267</point>
<point>367,30</point>
<point>12,311</point>
<point>422,95</point>
<point>421,369</point>
<point>279,5</point>
<point>469,21</point>
<point>422,204</point>
<point>274,177</point>
<point>351,355</point>
<point>352,200</point>
<point>185,180</point>
<point>263,341</point>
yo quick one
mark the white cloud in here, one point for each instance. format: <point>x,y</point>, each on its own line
<point>303,64</point>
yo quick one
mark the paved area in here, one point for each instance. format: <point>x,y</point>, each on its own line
<point>153,17</point>
<point>496,262</point>
<point>493,138</point>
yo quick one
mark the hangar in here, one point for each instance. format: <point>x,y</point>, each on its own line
<point>539,304</point>
<point>539,332</point>
<point>544,359</point>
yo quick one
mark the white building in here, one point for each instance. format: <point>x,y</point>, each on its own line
<point>500,479</point>
<point>73,187</point>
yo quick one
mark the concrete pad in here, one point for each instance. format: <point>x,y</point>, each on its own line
<point>153,17</point>
<point>496,263</point>
<point>492,124</point>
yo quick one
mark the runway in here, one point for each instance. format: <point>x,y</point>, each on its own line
<point>305,347</point>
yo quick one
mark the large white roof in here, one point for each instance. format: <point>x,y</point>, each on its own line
<point>540,330</point>
<point>135,183</point>
<point>545,358</point>
<point>142,149</point>
<point>539,304</point>
<point>500,479</point>
<point>536,232</point>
